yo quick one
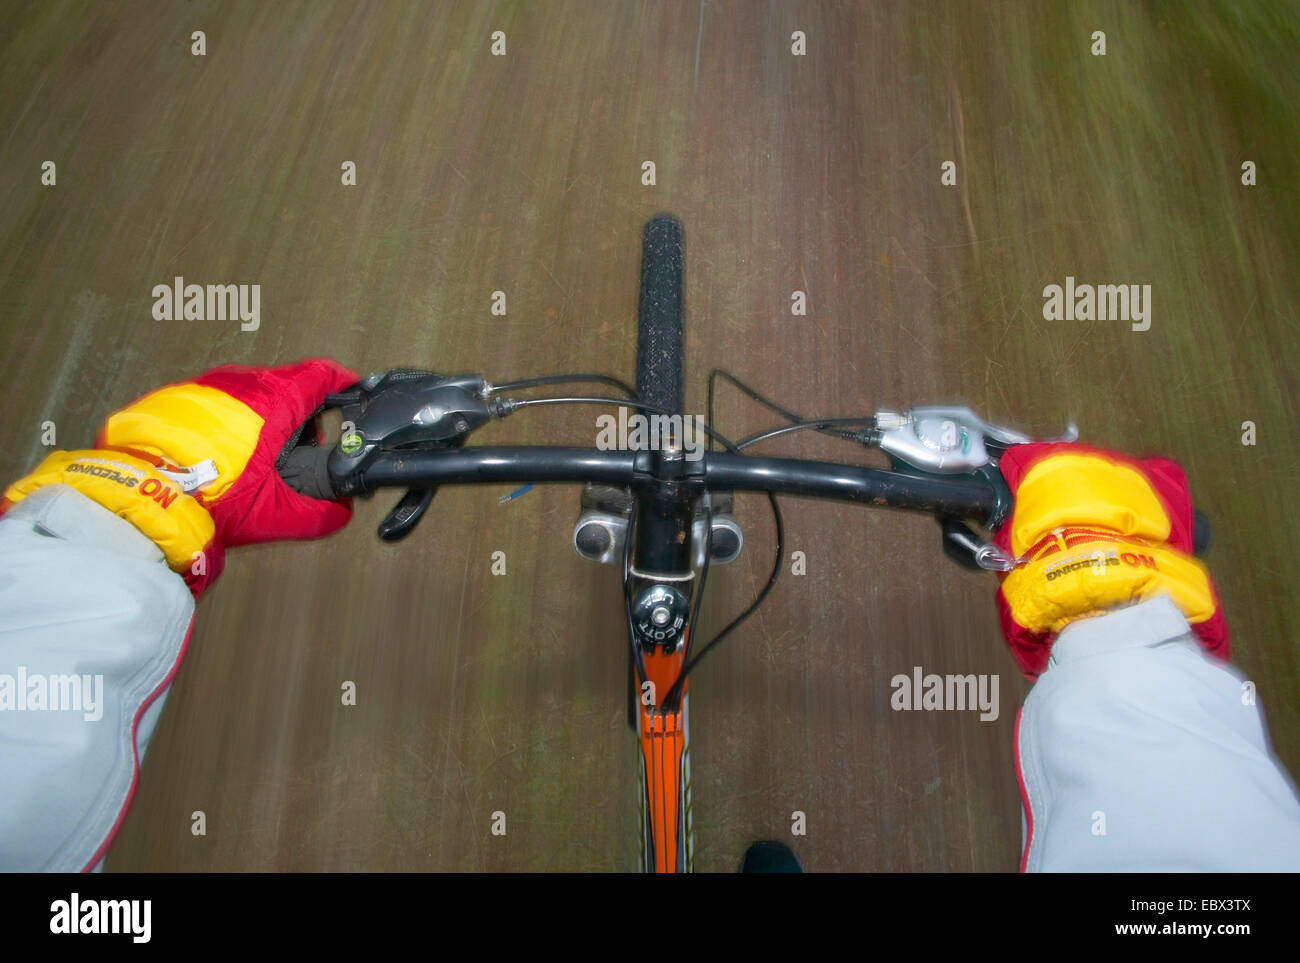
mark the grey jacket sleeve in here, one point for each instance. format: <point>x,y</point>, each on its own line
<point>92,627</point>
<point>1138,752</point>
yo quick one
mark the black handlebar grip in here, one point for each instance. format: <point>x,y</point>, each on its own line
<point>306,471</point>
<point>1200,533</point>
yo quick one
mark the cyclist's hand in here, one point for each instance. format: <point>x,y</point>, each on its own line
<point>1098,531</point>
<point>192,465</point>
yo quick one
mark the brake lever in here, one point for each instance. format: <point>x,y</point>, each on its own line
<point>1005,437</point>
<point>947,440</point>
<point>399,522</point>
<point>970,551</point>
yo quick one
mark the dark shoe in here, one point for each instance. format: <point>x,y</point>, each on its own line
<point>770,857</point>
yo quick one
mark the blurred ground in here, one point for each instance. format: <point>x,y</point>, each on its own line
<point>521,173</point>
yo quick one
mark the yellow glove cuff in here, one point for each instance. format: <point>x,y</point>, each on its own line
<point>1082,574</point>
<point>133,489</point>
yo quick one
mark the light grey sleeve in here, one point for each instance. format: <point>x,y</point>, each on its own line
<point>1137,752</point>
<point>92,627</point>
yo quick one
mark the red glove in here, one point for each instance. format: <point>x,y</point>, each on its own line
<point>192,465</point>
<point>1096,531</point>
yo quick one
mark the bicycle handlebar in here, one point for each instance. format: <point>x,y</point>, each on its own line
<point>973,496</point>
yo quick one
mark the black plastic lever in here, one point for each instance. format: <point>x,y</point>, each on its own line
<point>1200,533</point>
<point>960,544</point>
<point>398,523</point>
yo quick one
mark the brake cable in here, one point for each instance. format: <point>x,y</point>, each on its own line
<point>818,424</point>
<point>692,662</point>
<point>767,403</point>
<point>511,404</point>
<point>674,691</point>
<point>508,405</point>
<point>799,424</point>
<point>559,379</point>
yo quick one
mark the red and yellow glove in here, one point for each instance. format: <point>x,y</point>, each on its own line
<point>1097,531</point>
<point>192,465</point>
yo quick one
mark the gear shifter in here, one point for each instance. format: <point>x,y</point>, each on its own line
<point>947,440</point>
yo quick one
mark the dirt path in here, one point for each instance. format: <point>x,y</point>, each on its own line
<point>821,173</point>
